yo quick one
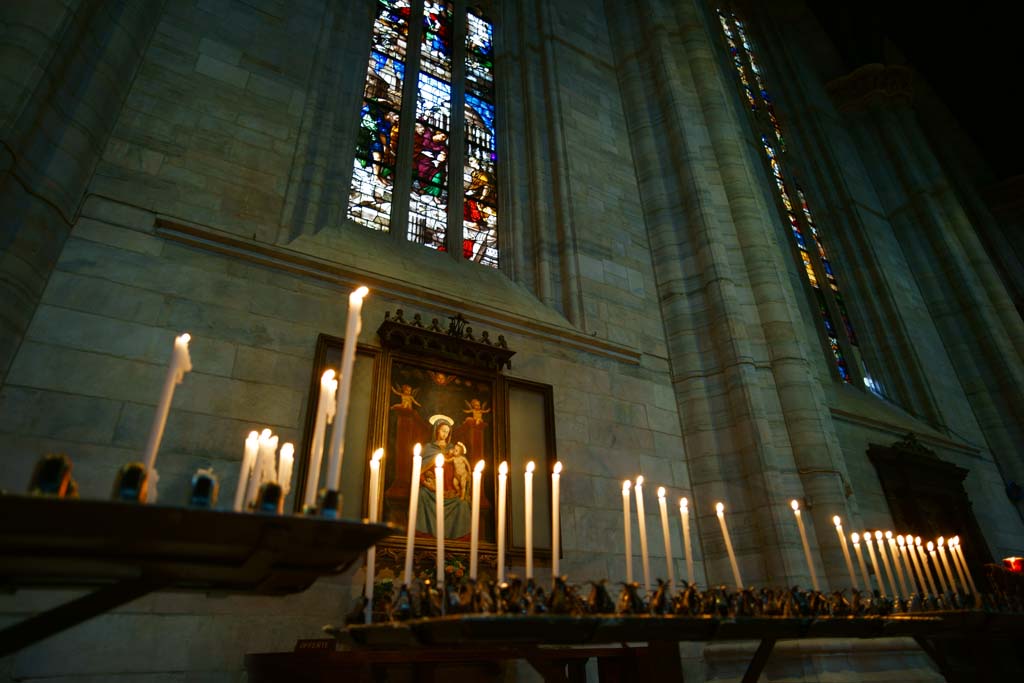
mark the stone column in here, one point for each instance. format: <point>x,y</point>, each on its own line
<point>67,68</point>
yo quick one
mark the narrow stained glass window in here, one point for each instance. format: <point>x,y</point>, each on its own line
<point>803,229</point>
<point>480,203</point>
<point>377,139</point>
<point>428,202</point>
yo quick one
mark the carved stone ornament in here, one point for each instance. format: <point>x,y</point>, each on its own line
<point>910,444</point>
<point>870,84</point>
<point>458,343</point>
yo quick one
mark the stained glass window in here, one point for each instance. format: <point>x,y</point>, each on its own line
<point>480,201</point>
<point>803,229</point>
<point>373,172</point>
<point>434,116</point>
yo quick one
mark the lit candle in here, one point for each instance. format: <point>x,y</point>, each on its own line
<point>846,551</point>
<point>502,485</point>
<point>439,517</point>
<point>286,461</point>
<point>967,570</point>
<point>324,415</point>
<point>528,480</point>
<point>641,520</point>
<point>907,557</point>
<point>956,564</point>
<point>663,505</point>
<point>720,510</point>
<point>880,540</point>
<point>474,529</point>
<point>897,565</point>
<point>855,537</point>
<point>256,476</point>
<point>626,526</point>
<point>371,552</point>
<point>252,444</point>
<point>180,363</point>
<point>556,474</point>
<point>803,539</point>
<point>874,563</point>
<point>348,359</point>
<point>414,500</point>
<point>924,565</point>
<point>938,569</point>
<point>684,517</point>
<point>941,543</point>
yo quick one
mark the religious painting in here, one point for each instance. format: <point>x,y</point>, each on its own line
<point>451,414</point>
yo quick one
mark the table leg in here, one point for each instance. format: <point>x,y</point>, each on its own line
<point>756,666</point>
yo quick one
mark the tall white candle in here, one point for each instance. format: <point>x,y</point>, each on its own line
<point>938,569</point>
<point>528,480</point>
<point>641,520</point>
<point>259,471</point>
<point>474,528</point>
<point>956,564</point>
<point>371,552</point>
<point>627,529</point>
<point>967,570</point>
<point>896,563</point>
<point>684,517</point>
<point>879,539</point>
<point>940,543</point>
<point>414,501</point>
<point>803,539</point>
<point>180,363</point>
<point>252,445</point>
<point>348,359</point>
<point>556,475</point>
<point>924,565</point>
<point>502,488</point>
<point>439,515</point>
<point>912,571</point>
<point>846,551</point>
<point>720,511</point>
<point>324,415</point>
<point>663,506</point>
<point>286,461</point>
<point>874,563</point>
<point>855,537</point>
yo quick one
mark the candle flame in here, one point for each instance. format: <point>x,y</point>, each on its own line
<point>530,467</point>
<point>253,435</point>
<point>416,450</point>
<point>661,492</point>
<point>327,376</point>
<point>917,540</point>
<point>878,536</point>
<point>503,468</point>
<point>794,504</point>
<point>265,434</point>
<point>838,522</point>
<point>930,546</point>
<point>855,537</point>
<point>955,540</point>
<point>479,467</point>
<point>683,503</point>
<point>899,539</point>
<point>358,294</point>
<point>184,338</point>
<point>719,508</point>
<point>558,467</point>
<point>640,481</point>
<point>888,535</point>
<point>288,450</point>
<point>625,485</point>
<point>941,541</point>
<point>377,455</point>
<point>439,460</point>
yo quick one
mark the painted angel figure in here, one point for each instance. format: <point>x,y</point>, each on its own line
<point>476,411</point>
<point>407,395</point>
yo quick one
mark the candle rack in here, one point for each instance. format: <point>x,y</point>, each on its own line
<point>131,550</point>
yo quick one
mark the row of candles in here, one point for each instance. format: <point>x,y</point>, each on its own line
<point>906,551</point>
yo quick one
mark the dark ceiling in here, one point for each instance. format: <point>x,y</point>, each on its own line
<point>971,54</point>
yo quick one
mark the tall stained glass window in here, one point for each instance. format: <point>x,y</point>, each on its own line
<point>438,111</point>
<point>804,232</point>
